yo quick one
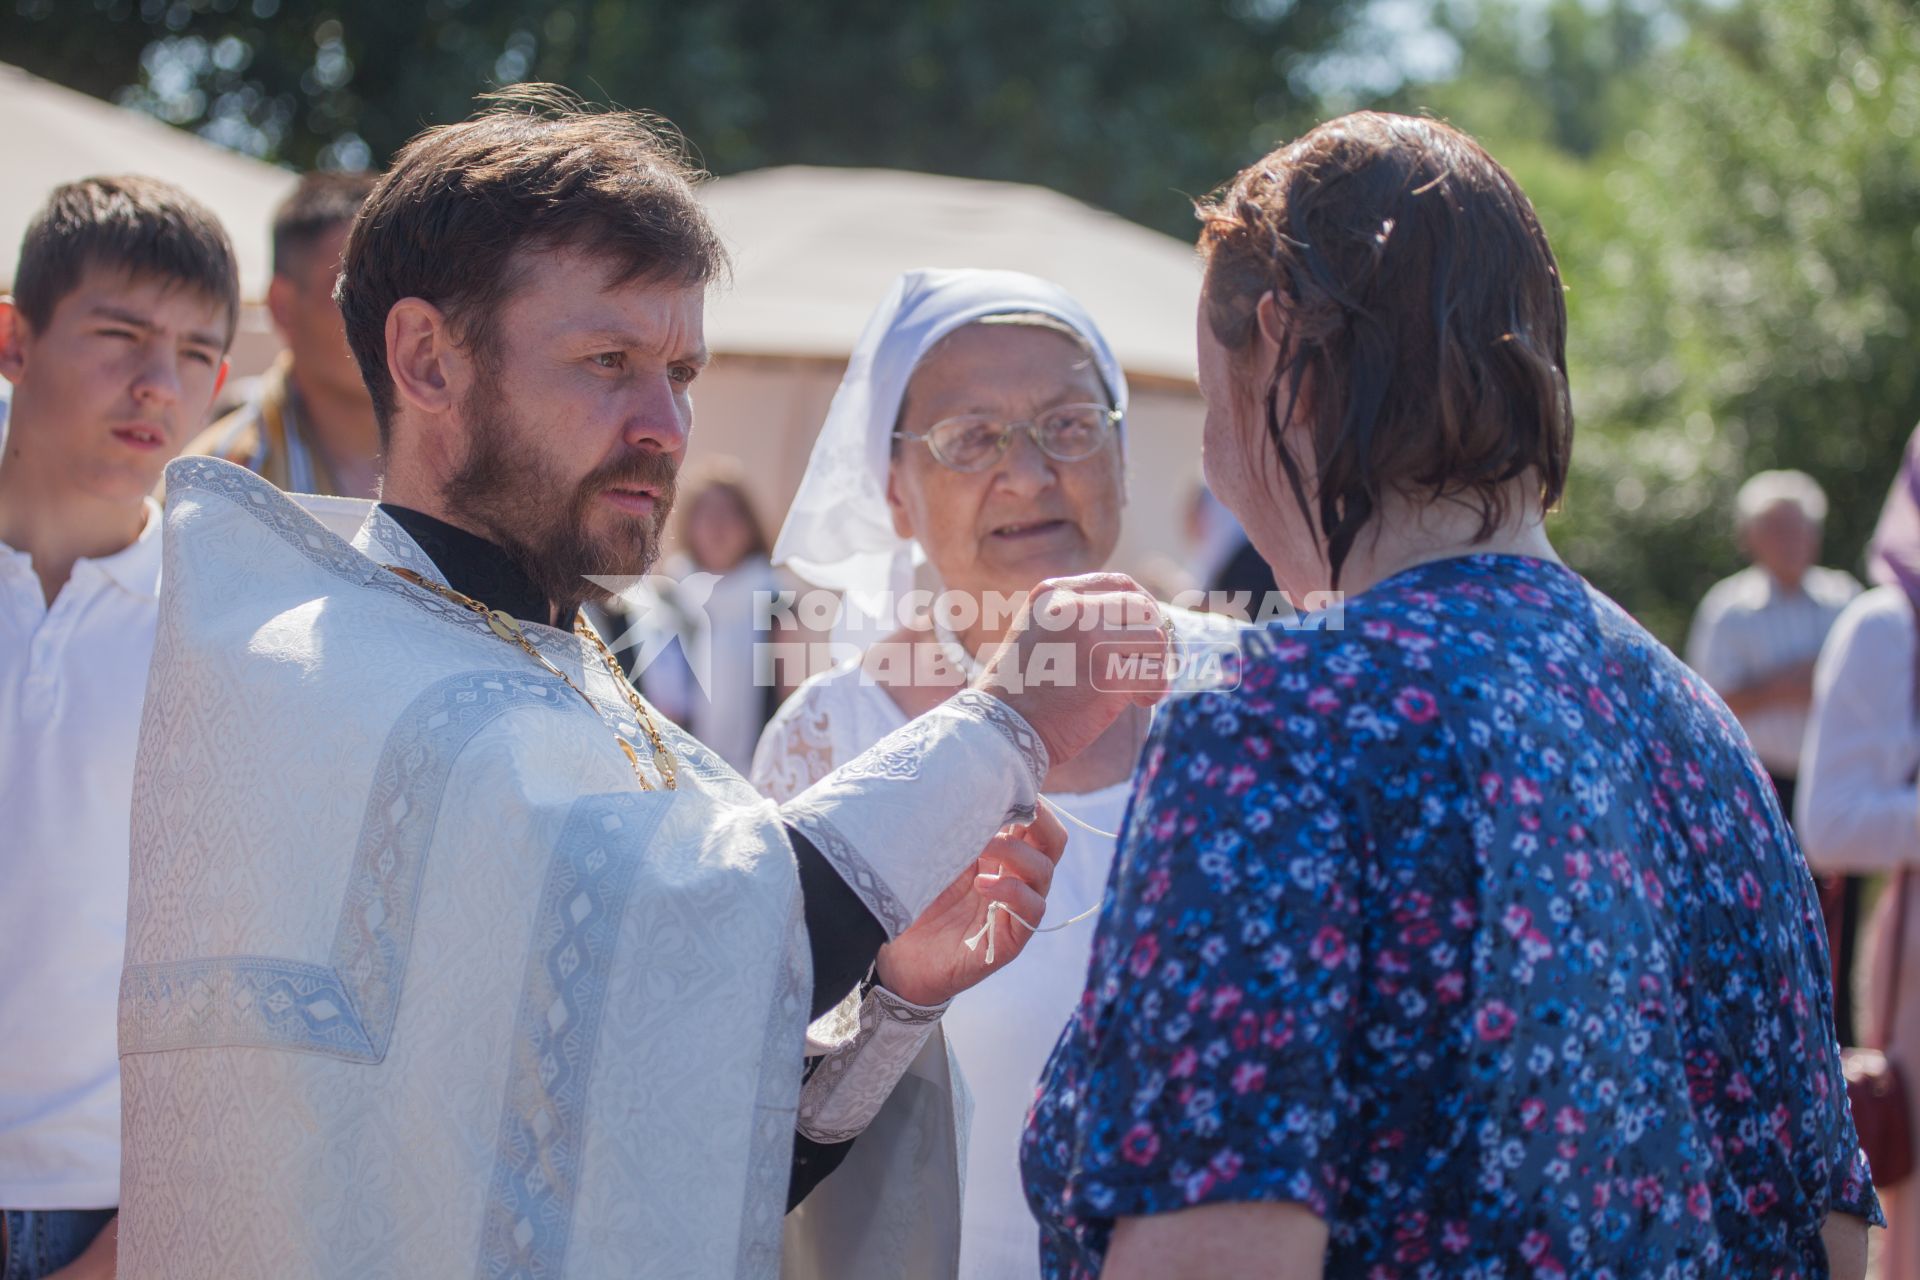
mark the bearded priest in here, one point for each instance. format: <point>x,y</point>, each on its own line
<point>446,954</point>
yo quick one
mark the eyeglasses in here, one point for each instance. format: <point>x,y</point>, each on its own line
<point>974,442</point>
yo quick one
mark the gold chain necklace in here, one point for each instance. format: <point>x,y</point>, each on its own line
<point>507,627</point>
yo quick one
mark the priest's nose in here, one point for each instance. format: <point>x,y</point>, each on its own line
<point>660,417</point>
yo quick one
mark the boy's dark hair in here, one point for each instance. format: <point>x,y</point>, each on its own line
<point>148,228</point>
<point>534,169</point>
<point>317,205</point>
<point>1425,324</point>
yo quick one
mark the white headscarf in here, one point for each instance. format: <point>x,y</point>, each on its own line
<point>839,533</point>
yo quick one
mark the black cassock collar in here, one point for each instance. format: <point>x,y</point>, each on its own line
<point>473,566</point>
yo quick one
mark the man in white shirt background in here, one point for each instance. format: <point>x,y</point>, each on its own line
<point>1755,637</point>
<point>114,344</point>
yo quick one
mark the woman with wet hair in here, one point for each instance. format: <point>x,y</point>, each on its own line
<point>1467,939</point>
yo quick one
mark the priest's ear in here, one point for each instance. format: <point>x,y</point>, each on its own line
<point>431,369</point>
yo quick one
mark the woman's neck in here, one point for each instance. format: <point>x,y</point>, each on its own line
<point>1405,535</point>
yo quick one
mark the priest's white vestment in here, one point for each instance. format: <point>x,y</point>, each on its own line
<point>420,982</point>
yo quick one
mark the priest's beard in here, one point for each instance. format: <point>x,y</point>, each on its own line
<point>511,490</point>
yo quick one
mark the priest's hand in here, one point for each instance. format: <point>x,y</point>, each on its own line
<point>931,963</point>
<point>1081,651</point>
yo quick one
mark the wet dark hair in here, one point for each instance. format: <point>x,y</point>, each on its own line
<point>148,228</point>
<point>534,169</point>
<point>1423,321</point>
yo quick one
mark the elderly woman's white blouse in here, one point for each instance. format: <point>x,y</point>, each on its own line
<point>1002,1031</point>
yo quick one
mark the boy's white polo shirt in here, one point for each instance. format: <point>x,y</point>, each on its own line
<point>72,681</point>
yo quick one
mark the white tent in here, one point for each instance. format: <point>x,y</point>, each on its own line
<point>815,249</point>
<point>56,135</point>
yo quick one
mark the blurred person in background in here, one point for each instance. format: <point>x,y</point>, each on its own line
<point>1859,812</point>
<point>1224,561</point>
<point>309,425</point>
<point>980,426</point>
<point>1755,638</point>
<point>114,344</point>
<point>710,680</point>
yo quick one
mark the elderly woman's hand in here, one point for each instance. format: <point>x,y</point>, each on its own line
<point>932,962</point>
<point>1081,651</point>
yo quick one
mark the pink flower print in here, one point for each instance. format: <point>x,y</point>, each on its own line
<point>1494,1020</point>
<point>1700,1201</point>
<point>1490,787</point>
<point>1417,706</point>
<point>1227,1165</point>
<point>1140,1145</point>
<point>1454,1236</point>
<point>1146,949</point>
<point>1749,886</point>
<point>1421,933</point>
<point>1248,1077</point>
<point>1525,791</point>
<point>1322,700</point>
<point>1533,1114</point>
<point>1184,1063</point>
<point>1329,946</point>
<point>1598,701</point>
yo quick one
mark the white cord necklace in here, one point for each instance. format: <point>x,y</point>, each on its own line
<point>971,668</point>
<point>986,930</point>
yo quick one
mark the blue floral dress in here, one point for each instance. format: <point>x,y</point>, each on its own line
<point>1473,927</point>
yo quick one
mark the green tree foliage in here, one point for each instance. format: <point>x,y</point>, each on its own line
<point>1759,302</point>
<point>1129,104</point>
<point>1732,186</point>
<point>1735,203</point>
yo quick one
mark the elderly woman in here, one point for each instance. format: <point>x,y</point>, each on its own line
<point>1467,940</point>
<point>979,425</point>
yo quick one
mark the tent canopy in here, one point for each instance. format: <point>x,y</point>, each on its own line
<point>56,135</point>
<point>815,250</point>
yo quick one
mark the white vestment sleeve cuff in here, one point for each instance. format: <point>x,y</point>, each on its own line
<point>903,818</point>
<point>845,1092</point>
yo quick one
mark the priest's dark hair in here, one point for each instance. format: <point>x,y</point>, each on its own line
<point>535,168</point>
<point>1424,323</point>
<point>149,229</point>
